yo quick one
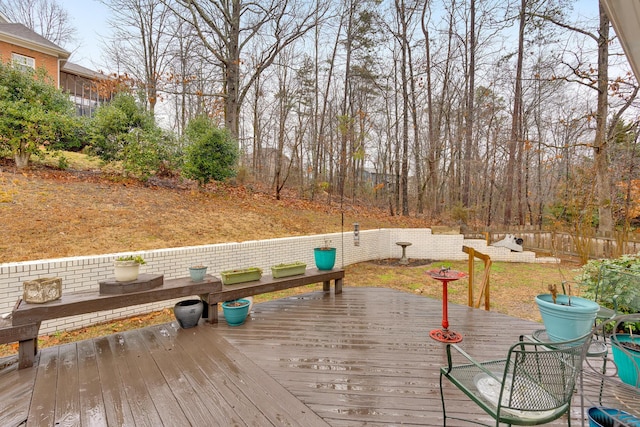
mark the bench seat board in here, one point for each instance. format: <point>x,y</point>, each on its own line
<point>268,284</point>
<point>75,303</point>
<point>10,333</point>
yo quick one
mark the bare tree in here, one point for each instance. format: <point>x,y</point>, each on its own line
<point>46,17</point>
<point>227,29</point>
<point>141,42</point>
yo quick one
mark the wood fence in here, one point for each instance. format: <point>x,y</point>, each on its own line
<point>566,244</point>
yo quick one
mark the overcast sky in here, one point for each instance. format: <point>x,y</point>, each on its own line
<point>90,20</point>
<point>89,17</point>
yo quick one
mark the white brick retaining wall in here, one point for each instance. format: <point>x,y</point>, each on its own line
<point>83,273</point>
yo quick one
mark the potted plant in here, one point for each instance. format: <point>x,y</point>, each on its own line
<point>197,272</point>
<point>626,354</point>
<point>610,417</point>
<point>230,277</point>
<point>325,256</point>
<point>127,267</point>
<point>236,311</point>
<point>566,317</point>
<point>290,269</point>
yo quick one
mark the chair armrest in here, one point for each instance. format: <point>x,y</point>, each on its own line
<point>615,304</point>
<point>470,359</point>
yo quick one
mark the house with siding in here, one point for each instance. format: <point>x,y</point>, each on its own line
<point>25,48</point>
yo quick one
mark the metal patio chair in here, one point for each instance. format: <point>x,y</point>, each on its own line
<point>533,385</point>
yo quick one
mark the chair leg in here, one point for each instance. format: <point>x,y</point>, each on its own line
<point>444,411</point>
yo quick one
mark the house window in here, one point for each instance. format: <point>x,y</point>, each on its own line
<point>23,62</point>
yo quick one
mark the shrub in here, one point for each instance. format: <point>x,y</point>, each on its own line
<point>34,113</point>
<point>123,131</point>
<point>620,277</point>
<point>112,123</point>
<point>211,153</point>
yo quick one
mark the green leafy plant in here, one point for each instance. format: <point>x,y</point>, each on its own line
<point>617,283</point>
<point>211,153</point>
<point>290,264</point>
<point>35,115</point>
<point>135,258</point>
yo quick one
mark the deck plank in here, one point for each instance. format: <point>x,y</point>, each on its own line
<point>92,410</point>
<point>116,404</point>
<point>180,373</point>
<point>274,401</point>
<point>163,399</point>
<point>43,407</point>
<point>363,357</point>
<point>67,412</point>
<point>15,394</point>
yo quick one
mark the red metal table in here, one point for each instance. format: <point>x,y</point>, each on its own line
<point>445,275</point>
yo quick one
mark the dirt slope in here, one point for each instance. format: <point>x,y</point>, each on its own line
<point>46,213</point>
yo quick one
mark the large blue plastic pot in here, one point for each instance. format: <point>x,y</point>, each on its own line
<point>627,360</point>
<point>565,322</point>
<point>325,258</point>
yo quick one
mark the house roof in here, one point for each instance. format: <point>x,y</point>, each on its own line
<point>625,18</point>
<point>21,35</point>
<point>79,70</point>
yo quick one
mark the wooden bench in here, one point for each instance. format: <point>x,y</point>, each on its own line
<point>76,303</point>
<point>268,284</point>
<point>25,335</point>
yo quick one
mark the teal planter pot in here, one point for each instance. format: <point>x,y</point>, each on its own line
<point>610,417</point>
<point>627,359</point>
<point>565,322</point>
<point>325,258</point>
<point>236,311</point>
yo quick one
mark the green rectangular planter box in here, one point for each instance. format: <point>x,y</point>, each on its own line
<point>231,277</point>
<point>286,270</point>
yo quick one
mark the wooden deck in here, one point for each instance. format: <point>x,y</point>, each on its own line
<point>363,357</point>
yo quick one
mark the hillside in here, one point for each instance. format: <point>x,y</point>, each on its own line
<point>48,213</point>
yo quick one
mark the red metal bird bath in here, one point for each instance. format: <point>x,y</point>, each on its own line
<point>445,275</point>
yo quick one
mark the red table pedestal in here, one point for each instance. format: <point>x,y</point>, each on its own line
<point>445,276</point>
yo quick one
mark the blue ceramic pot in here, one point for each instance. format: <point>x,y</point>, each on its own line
<point>565,322</point>
<point>197,273</point>
<point>235,312</point>
<point>325,258</point>
<point>607,417</point>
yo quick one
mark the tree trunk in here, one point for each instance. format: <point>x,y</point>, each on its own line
<point>467,170</point>
<point>21,158</point>
<point>600,146</point>
<point>509,183</point>
<point>232,73</point>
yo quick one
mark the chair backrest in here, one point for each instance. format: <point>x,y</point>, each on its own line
<point>542,376</point>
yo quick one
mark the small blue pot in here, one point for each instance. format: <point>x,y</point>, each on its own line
<point>197,273</point>
<point>235,315</point>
